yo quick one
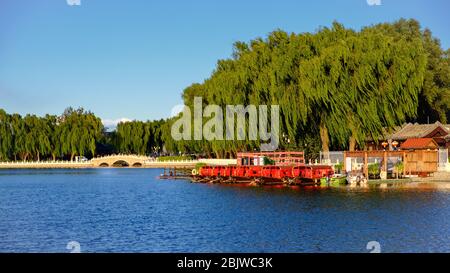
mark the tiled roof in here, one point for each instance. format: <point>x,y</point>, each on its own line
<point>419,143</point>
<point>417,130</point>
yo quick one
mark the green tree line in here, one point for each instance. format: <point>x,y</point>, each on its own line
<point>75,132</point>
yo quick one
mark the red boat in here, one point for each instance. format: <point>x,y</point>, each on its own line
<point>239,171</point>
<point>205,171</point>
<point>283,167</point>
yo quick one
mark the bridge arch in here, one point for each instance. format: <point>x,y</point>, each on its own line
<point>120,163</point>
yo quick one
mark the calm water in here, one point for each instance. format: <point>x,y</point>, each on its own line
<point>129,210</point>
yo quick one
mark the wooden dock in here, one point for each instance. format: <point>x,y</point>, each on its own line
<point>176,173</point>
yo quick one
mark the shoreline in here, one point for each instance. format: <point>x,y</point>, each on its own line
<point>90,166</point>
<point>435,179</point>
<point>441,179</point>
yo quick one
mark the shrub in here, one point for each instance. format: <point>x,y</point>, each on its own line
<point>199,165</point>
<point>374,169</point>
<point>399,167</point>
<point>268,161</point>
<point>339,167</point>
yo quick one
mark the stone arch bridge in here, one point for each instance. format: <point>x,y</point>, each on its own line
<point>119,161</point>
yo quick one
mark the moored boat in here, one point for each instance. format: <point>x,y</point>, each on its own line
<point>266,168</point>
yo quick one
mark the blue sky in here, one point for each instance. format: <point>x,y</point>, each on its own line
<point>132,59</point>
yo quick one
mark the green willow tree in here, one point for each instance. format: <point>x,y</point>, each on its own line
<point>434,96</point>
<point>76,132</point>
<point>54,132</point>
<point>37,140</point>
<point>137,137</point>
<point>365,81</point>
<point>337,84</point>
<point>6,136</point>
<point>79,132</point>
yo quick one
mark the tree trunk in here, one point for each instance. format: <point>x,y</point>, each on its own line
<point>72,155</point>
<point>324,138</point>
<point>352,144</point>
<point>54,157</point>
<point>38,157</point>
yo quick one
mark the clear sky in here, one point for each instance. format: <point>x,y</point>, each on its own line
<point>132,58</point>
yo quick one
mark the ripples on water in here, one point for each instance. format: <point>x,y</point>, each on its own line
<point>129,210</point>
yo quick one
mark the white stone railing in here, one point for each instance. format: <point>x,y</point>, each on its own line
<point>147,161</point>
<point>122,156</point>
<point>151,160</point>
<point>44,162</point>
<point>218,161</point>
<point>191,161</point>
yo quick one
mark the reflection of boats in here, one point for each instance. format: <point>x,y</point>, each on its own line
<point>287,168</point>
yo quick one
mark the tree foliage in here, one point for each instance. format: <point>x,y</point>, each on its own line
<point>74,133</point>
<point>139,137</point>
<point>335,88</point>
<point>337,84</point>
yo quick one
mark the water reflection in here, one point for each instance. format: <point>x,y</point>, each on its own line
<point>129,210</point>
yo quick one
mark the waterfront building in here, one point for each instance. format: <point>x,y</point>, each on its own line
<point>438,132</point>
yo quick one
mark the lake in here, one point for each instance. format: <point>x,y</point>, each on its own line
<point>130,210</point>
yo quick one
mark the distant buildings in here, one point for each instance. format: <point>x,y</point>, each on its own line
<point>414,136</point>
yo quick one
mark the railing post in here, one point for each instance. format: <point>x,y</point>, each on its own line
<point>345,162</point>
<point>366,165</point>
<point>385,163</point>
